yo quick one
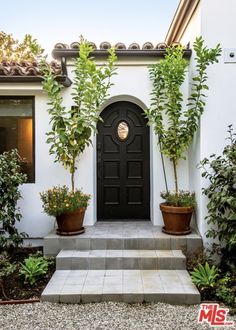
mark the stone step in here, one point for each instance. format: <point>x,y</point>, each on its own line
<point>118,236</point>
<point>131,286</point>
<point>120,259</point>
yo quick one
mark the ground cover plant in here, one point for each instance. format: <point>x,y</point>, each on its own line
<point>24,273</point>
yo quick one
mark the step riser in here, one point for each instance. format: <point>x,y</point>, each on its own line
<point>131,298</point>
<point>101,266</point>
<point>130,286</point>
<point>120,263</point>
<point>53,245</point>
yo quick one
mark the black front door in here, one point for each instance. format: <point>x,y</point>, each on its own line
<point>123,175</point>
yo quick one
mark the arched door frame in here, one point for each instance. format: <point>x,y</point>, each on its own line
<point>142,105</point>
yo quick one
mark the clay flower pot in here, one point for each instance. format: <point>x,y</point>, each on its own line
<point>71,223</point>
<point>176,219</point>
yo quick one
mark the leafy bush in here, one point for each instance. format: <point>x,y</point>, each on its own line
<point>174,122</point>
<point>34,267</point>
<point>10,180</point>
<point>214,283</point>
<point>6,268</point>
<point>13,50</point>
<point>72,127</point>
<point>59,200</point>
<point>205,276</point>
<point>183,198</point>
<point>226,289</point>
<point>221,173</point>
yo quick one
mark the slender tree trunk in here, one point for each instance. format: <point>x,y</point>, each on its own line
<point>175,176</point>
<point>73,181</point>
<point>73,175</point>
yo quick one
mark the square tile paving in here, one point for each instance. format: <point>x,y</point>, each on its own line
<point>121,261</point>
<point>129,285</point>
<point>122,235</point>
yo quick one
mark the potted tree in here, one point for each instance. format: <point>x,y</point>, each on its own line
<point>71,130</point>
<point>176,124</point>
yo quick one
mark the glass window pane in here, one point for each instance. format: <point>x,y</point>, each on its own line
<point>16,130</point>
<point>123,130</point>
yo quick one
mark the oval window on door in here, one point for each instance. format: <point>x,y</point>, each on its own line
<point>122,130</point>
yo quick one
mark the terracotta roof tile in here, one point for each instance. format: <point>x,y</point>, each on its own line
<point>25,68</point>
<point>120,46</point>
<point>134,45</point>
<point>105,45</point>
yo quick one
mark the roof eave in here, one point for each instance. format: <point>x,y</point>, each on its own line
<point>157,53</point>
<point>64,80</point>
<point>182,16</point>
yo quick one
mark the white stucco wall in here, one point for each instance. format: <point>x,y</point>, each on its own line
<point>130,84</point>
<point>215,21</point>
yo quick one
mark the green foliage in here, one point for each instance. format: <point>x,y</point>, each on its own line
<point>13,50</point>
<point>33,268</point>
<point>205,276</point>
<point>193,259</point>
<point>59,200</point>
<point>10,180</point>
<point>226,289</point>
<point>71,128</point>
<point>183,198</point>
<point>173,122</point>
<point>214,282</point>
<point>6,266</point>
<point>221,173</point>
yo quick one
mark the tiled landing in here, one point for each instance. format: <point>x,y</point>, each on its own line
<point>131,286</point>
<point>122,235</point>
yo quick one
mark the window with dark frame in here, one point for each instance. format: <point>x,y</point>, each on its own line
<point>17,130</point>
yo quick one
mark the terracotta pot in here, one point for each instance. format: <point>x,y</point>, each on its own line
<point>71,223</point>
<point>176,219</point>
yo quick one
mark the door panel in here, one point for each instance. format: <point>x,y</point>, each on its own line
<point>123,182</point>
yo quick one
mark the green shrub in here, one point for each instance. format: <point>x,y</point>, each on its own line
<point>226,289</point>
<point>6,266</point>
<point>214,283</point>
<point>183,198</point>
<point>205,276</point>
<point>221,173</point>
<point>33,268</point>
<point>10,180</point>
<point>60,200</point>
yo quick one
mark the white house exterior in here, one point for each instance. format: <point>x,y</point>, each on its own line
<point>215,22</point>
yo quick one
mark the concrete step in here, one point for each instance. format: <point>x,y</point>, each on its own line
<point>131,286</point>
<point>120,259</point>
<point>121,235</point>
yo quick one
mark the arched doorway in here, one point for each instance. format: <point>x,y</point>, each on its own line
<point>123,163</point>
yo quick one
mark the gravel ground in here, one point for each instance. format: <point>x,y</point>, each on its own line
<point>107,315</point>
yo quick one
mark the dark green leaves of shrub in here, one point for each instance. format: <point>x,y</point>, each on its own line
<point>221,173</point>
<point>10,180</point>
